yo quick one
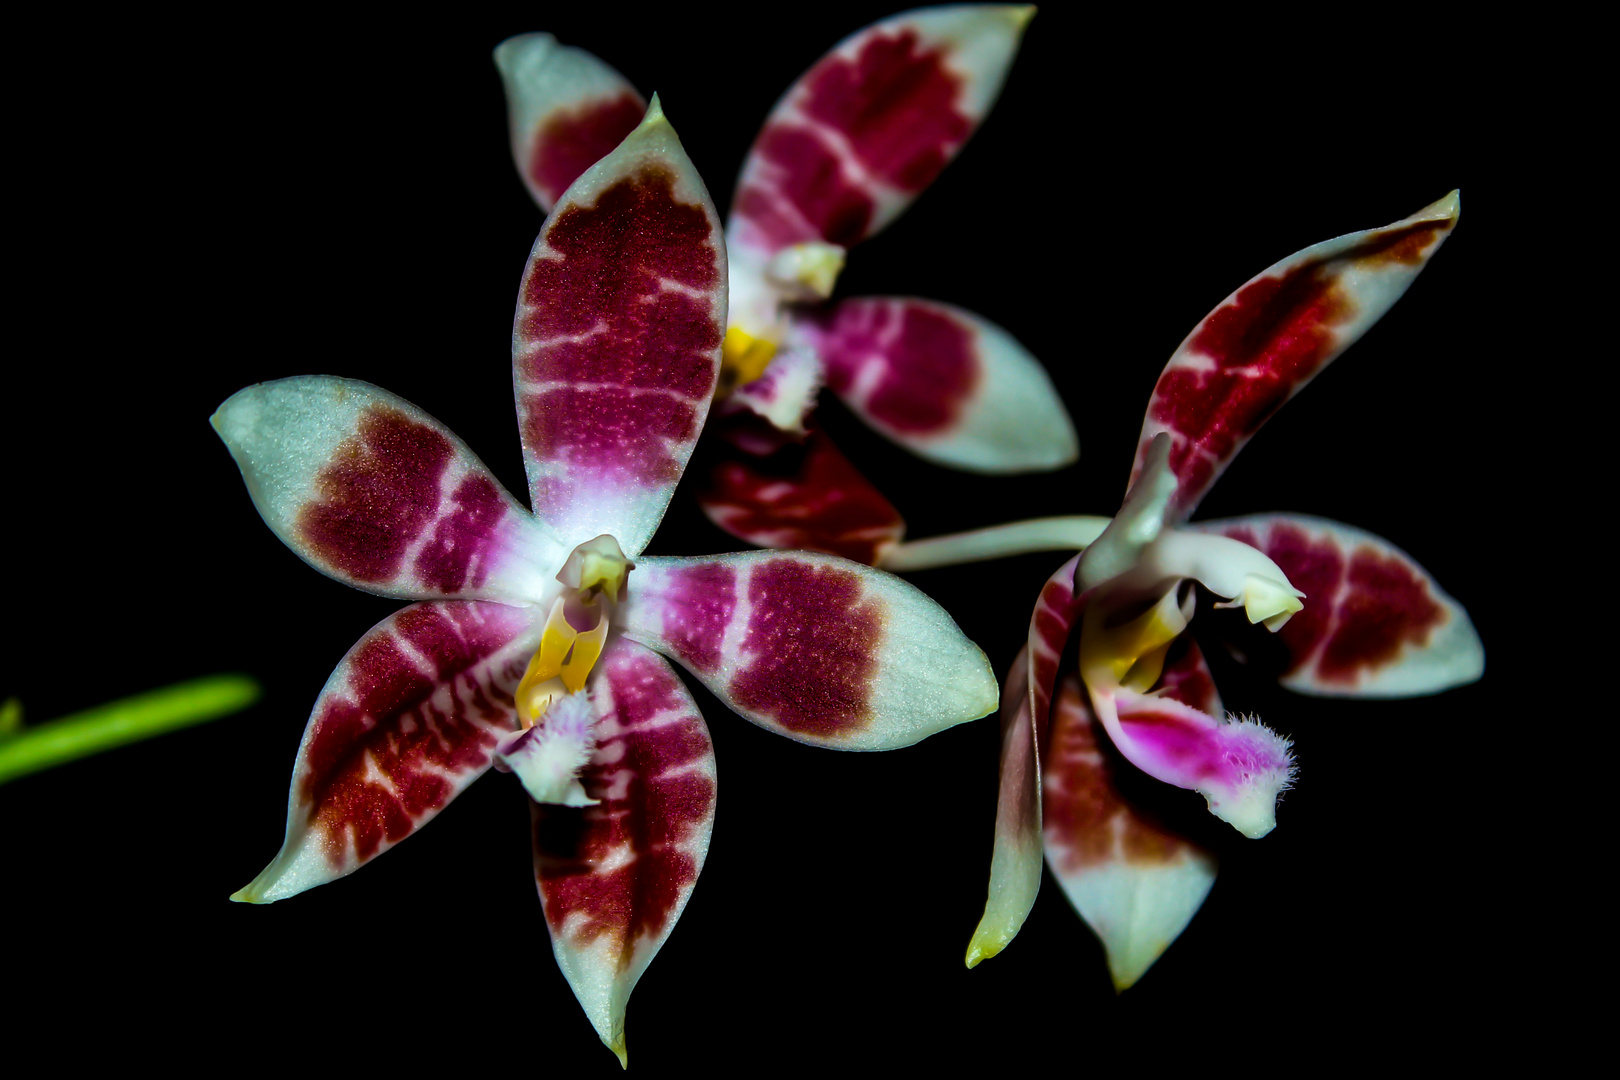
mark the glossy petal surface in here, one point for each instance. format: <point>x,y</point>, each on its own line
<point>1135,882</point>
<point>1263,343</point>
<point>856,138</point>
<point>817,648</point>
<point>409,719</point>
<point>944,383</point>
<point>371,490</point>
<point>781,493</point>
<point>616,346</point>
<point>566,111</point>
<point>614,877</point>
<point>1376,624</point>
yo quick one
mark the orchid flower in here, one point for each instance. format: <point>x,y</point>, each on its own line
<point>1356,616</point>
<point>842,154</point>
<point>533,643</point>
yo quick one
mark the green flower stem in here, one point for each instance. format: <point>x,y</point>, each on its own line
<point>25,750</point>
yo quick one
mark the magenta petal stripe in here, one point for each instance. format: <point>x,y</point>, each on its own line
<point>405,723</point>
<point>817,648</point>
<point>373,491</point>
<point>566,110</point>
<point>614,877</point>
<point>616,345</point>
<point>1267,340</point>
<point>801,495</point>
<point>1376,624</point>
<point>1135,882</point>
<point>944,383</point>
<point>856,138</point>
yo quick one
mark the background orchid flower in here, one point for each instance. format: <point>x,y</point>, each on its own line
<point>341,199</point>
<point>534,642</point>
<point>844,152</point>
<point>1378,623</point>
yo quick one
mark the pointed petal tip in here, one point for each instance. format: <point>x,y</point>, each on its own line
<point>1448,208</point>
<point>655,112</point>
<point>619,1051</point>
<point>1021,14</point>
<point>247,895</point>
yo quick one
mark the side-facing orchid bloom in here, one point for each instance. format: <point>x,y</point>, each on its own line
<point>533,645</point>
<point>842,154</point>
<point>1356,616</point>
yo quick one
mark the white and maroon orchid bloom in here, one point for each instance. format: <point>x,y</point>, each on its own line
<point>1356,616</point>
<point>842,154</point>
<point>533,641</point>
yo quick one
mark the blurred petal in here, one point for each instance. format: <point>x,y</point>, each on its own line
<point>801,495</point>
<point>944,383</point>
<point>373,491</point>
<point>566,110</point>
<point>409,719</point>
<point>614,877</point>
<point>617,341</point>
<point>1267,340</point>
<point>1015,863</point>
<point>817,648</point>
<point>1136,883</point>
<point>856,138</point>
<point>1375,623</point>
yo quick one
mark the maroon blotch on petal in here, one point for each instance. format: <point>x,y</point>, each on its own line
<point>459,553</point>
<point>697,603</point>
<point>927,360</point>
<point>572,140</point>
<point>1385,607</point>
<point>810,648</point>
<point>377,494</point>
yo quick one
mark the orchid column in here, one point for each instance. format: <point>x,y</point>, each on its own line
<point>533,641</point>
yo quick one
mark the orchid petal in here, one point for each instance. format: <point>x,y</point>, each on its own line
<point>867,128</point>
<point>948,385</point>
<point>1238,765</point>
<point>566,110</point>
<point>1056,610</point>
<point>1376,624</point>
<point>785,395</point>
<point>409,719</point>
<point>616,346</point>
<point>1015,863</point>
<point>1263,343</point>
<point>374,492</point>
<point>801,495</point>
<point>1136,883</point>
<point>614,877</point>
<point>814,647</point>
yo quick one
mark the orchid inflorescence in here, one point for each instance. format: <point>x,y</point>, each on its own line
<point>535,642</point>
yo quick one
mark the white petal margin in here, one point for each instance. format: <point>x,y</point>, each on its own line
<point>1134,884</point>
<point>1450,654</point>
<point>1011,421</point>
<point>283,434</point>
<point>774,651</point>
<point>544,78</point>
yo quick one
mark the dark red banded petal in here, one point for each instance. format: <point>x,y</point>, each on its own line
<point>1136,882</point>
<point>614,877</point>
<point>405,723</point>
<point>373,491</point>
<point>804,495</point>
<point>1056,610</point>
<point>817,648</point>
<point>1376,624</point>
<point>856,138</point>
<point>1267,340</point>
<point>566,110</point>
<point>617,341</point>
<point>944,383</point>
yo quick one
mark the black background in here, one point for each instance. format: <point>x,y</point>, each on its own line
<point>212,205</point>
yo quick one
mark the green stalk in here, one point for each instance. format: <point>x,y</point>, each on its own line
<point>24,750</point>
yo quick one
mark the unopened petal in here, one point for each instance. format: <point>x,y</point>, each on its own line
<point>817,648</point>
